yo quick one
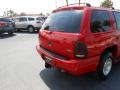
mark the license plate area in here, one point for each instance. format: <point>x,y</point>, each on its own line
<point>10,25</point>
<point>47,59</point>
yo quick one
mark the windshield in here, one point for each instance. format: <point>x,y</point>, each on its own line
<point>65,21</point>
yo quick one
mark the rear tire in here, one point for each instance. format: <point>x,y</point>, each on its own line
<point>105,65</point>
<point>18,30</point>
<point>31,29</point>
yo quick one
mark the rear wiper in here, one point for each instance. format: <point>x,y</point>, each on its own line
<point>46,27</point>
<point>61,31</point>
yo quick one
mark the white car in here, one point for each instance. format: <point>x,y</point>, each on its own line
<point>29,23</point>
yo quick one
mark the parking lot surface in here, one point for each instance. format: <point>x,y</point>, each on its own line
<point>21,68</point>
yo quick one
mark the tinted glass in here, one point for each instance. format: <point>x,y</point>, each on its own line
<point>100,21</point>
<point>44,18</point>
<point>117,19</point>
<point>5,20</point>
<point>64,21</point>
<point>115,23</point>
<point>22,19</point>
<point>16,19</point>
<point>31,19</point>
<point>39,18</point>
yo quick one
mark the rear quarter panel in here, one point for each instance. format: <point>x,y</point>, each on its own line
<point>97,42</point>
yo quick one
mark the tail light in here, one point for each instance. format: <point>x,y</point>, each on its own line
<point>80,50</point>
<point>39,22</point>
<point>2,24</point>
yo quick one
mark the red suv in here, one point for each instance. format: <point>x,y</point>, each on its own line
<point>81,39</point>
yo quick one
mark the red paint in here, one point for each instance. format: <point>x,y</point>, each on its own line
<point>62,43</point>
<point>2,24</point>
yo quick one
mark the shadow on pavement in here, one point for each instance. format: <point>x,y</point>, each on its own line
<point>25,32</point>
<point>3,36</point>
<point>55,80</point>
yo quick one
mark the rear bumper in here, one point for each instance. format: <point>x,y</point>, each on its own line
<point>36,28</point>
<point>75,67</point>
<point>2,30</point>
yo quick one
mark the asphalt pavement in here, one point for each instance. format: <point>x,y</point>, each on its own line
<point>21,68</point>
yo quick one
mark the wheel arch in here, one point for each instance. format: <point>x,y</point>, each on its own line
<point>112,49</point>
<point>30,26</point>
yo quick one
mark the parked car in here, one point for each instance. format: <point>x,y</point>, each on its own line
<point>81,39</point>
<point>7,25</point>
<point>29,23</point>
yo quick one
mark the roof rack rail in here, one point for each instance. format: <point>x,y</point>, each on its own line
<point>84,4</point>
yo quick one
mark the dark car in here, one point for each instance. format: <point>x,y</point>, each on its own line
<point>6,25</point>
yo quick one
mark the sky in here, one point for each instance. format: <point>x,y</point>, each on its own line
<point>44,6</point>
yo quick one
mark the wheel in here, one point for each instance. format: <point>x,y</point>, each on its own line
<point>105,65</point>
<point>31,29</point>
<point>18,30</point>
<point>10,32</point>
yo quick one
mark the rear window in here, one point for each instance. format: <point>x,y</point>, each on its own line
<point>117,20</point>
<point>100,21</point>
<point>5,20</point>
<point>64,21</point>
<point>39,18</point>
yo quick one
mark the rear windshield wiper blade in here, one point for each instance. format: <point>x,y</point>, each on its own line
<point>46,27</point>
<point>61,31</point>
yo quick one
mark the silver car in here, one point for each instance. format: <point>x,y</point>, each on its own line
<point>29,23</point>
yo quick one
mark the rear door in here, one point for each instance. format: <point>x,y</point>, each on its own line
<point>101,30</point>
<point>21,22</point>
<point>116,16</point>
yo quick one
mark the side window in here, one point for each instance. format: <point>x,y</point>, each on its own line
<point>39,18</point>
<point>23,19</point>
<point>117,19</point>
<point>16,20</point>
<point>100,21</point>
<point>31,19</point>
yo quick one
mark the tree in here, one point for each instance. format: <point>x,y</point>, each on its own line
<point>22,14</point>
<point>47,14</point>
<point>107,4</point>
<point>9,13</point>
<point>41,14</point>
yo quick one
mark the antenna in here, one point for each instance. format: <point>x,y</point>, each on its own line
<point>67,2</point>
<point>79,2</point>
